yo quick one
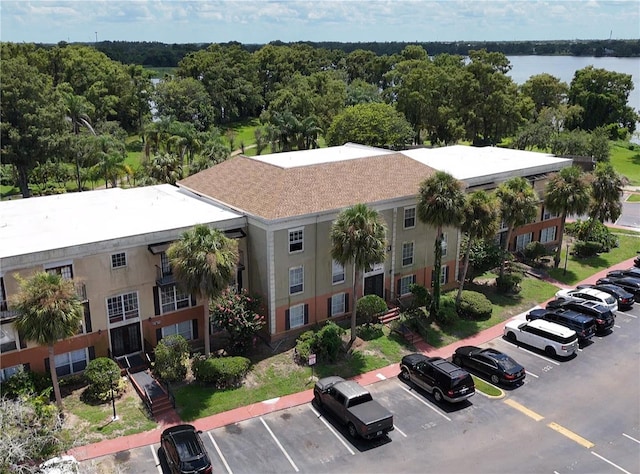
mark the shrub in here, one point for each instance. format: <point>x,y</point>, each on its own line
<point>447,312</point>
<point>101,373</point>
<point>369,332</point>
<point>593,231</point>
<point>222,372</point>
<point>369,306</point>
<point>509,282</point>
<point>172,355</point>
<point>533,251</point>
<point>25,383</point>
<point>325,343</point>
<point>421,296</point>
<point>93,395</point>
<point>474,305</point>
<point>238,314</point>
<point>584,249</point>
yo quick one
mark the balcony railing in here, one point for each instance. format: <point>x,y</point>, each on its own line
<point>164,277</point>
<point>5,312</point>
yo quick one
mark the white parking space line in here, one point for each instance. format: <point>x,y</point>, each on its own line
<point>155,458</point>
<point>615,326</point>
<point>632,439</point>
<point>222,458</point>
<point>399,431</point>
<point>580,350</point>
<point>627,314</point>
<point>326,423</point>
<point>381,377</point>
<point>533,375</point>
<point>421,400</point>
<point>534,354</point>
<point>279,445</point>
<point>613,464</point>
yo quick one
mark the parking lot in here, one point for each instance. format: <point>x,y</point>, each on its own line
<point>579,415</point>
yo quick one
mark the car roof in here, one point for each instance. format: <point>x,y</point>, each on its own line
<point>551,327</point>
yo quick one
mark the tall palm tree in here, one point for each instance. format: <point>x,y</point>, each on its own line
<point>49,310</point>
<point>606,191</point>
<point>358,237</point>
<point>518,206</point>
<point>440,204</point>
<point>77,110</point>
<point>481,220</point>
<point>204,261</point>
<point>566,192</point>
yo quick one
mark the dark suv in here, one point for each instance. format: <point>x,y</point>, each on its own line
<point>437,376</point>
<point>627,283</point>
<point>583,325</point>
<point>602,316</point>
<point>184,450</point>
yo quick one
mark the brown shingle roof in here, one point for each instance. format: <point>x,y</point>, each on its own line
<point>271,192</point>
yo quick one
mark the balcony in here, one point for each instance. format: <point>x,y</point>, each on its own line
<point>5,312</point>
<point>164,276</point>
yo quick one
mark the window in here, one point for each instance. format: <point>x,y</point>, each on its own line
<point>122,307</point>
<point>165,264</point>
<point>3,297</point>
<point>296,316</point>
<point>337,272</point>
<point>444,274</point>
<point>8,372</point>
<point>184,329</point>
<point>118,260</point>
<point>548,235</point>
<point>7,338</point>
<point>443,243</point>
<point>548,214</point>
<point>71,362</point>
<point>407,254</point>
<point>296,238</point>
<point>405,284</point>
<point>409,217</point>
<point>338,304</point>
<point>173,299</point>
<point>65,271</point>
<point>296,280</point>
<point>522,241</point>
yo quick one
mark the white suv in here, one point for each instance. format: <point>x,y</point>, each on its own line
<point>550,337</point>
<point>589,294</point>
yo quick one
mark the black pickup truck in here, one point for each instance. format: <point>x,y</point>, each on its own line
<point>353,406</point>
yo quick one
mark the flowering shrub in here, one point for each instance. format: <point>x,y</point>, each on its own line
<point>238,315</point>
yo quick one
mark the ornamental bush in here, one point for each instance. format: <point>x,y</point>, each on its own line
<point>239,315</point>
<point>447,313</point>
<point>25,383</point>
<point>474,305</point>
<point>101,373</point>
<point>368,332</point>
<point>325,343</point>
<point>369,306</point>
<point>172,357</point>
<point>222,372</point>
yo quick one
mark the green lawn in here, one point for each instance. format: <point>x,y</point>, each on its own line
<point>625,158</point>
<point>634,198</point>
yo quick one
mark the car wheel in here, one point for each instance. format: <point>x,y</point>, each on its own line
<point>495,379</point>
<point>404,373</point>
<point>352,430</point>
<point>457,361</point>
<point>437,395</point>
<point>511,337</point>
<point>550,351</point>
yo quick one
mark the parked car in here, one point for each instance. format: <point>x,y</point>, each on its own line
<point>583,325</point>
<point>184,450</point>
<point>633,272</point>
<point>630,284</point>
<point>589,294</point>
<point>552,338</point>
<point>625,299</point>
<point>495,365</point>
<point>603,317</point>
<point>353,406</point>
<point>441,378</point>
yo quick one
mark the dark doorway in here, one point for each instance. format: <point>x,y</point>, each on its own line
<point>374,285</point>
<point>126,340</point>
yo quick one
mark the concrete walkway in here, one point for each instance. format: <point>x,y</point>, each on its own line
<point>124,443</point>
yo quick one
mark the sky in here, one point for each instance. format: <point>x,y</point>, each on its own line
<point>262,21</point>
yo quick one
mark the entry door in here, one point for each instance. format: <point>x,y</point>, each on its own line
<point>126,340</point>
<point>374,285</point>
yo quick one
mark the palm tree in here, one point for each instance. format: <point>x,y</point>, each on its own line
<point>566,192</point>
<point>358,237</point>
<point>606,191</point>
<point>77,110</point>
<point>518,206</point>
<point>204,262</point>
<point>440,203</point>
<point>481,220</point>
<point>49,310</point>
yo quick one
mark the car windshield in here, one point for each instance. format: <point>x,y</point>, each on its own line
<point>610,300</point>
<point>360,400</point>
<point>461,381</point>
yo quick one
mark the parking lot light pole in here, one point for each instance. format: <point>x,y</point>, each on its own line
<point>113,402</point>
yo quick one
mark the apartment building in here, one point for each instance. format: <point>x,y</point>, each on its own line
<point>112,243</point>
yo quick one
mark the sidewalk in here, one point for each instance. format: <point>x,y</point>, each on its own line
<point>112,446</point>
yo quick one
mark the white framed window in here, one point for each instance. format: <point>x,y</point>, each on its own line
<point>296,280</point>
<point>9,371</point>
<point>548,234</point>
<point>173,298</point>
<point>121,307</point>
<point>8,338</point>
<point>409,217</point>
<point>337,272</point>
<point>118,260</point>
<point>296,316</point>
<point>405,284</point>
<point>522,241</point>
<point>444,243</point>
<point>71,362</point>
<point>444,274</point>
<point>65,271</point>
<point>184,329</point>
<point>407,254</point>
<point>296,240</point>
<point>338,304</point>
<point>548,215</point>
